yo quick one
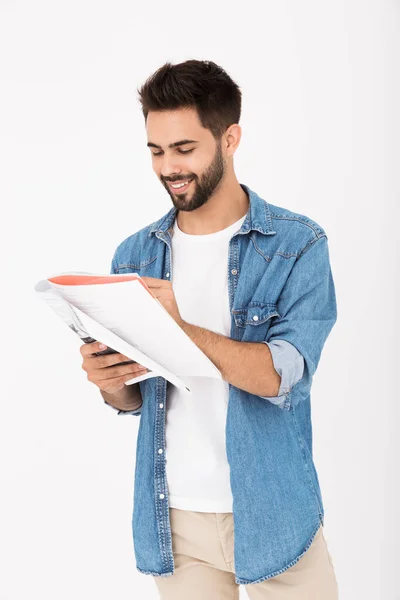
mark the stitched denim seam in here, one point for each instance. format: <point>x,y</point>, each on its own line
<point>311,243</point>
<point>243,581</point>
<point>257,249</point>
<point>299,220</point>
<point>138,266</point>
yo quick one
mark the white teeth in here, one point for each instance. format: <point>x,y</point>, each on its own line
<point>179,185</point>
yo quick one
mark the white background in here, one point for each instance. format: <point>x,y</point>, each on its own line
<point>320,87</point>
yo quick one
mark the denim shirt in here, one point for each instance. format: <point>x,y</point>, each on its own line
<point>281,292</point>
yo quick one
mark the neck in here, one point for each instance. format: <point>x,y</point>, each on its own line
<point>228,204</point>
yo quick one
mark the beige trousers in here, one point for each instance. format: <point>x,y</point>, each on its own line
<point>202,545</point>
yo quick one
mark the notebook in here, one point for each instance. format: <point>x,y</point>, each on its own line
<point>120,311</point>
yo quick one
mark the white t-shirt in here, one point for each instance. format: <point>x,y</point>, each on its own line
<point>197,467</point>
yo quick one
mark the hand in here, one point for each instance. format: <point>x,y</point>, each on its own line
<point>162,290</point>
<point>104,371</point>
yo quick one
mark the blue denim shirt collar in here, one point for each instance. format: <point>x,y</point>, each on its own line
<point>258,217</point>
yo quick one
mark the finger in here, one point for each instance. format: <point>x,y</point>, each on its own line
<point>107,360</point>
<point>115,384</point>
<point>116,372</point>
<point>88,349</point>
<point>164,295</point>
<point>154,283</point>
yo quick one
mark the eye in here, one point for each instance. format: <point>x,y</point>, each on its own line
<point>179,152</point>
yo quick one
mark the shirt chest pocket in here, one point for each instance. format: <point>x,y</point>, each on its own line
<point>253,321</point>
<point>146,267</point>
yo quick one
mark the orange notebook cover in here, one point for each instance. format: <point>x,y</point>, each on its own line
<point>96,280</point>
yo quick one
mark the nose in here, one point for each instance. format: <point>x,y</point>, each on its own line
<point>170,166</point>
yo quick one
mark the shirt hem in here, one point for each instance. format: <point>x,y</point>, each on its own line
<point>241,580</point>
<point>146,572</point>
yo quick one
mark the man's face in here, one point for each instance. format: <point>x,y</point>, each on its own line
<point>184,151</point>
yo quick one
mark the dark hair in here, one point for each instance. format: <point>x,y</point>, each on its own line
<point>194,84</point>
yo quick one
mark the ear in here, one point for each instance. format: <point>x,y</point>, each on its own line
<point>231,139</point>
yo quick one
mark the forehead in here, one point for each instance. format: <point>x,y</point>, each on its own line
<point>166,127</point>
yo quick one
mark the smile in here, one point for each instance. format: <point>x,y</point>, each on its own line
<point>179,186</point>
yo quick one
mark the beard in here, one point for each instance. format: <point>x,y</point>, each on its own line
<point>204,187</point>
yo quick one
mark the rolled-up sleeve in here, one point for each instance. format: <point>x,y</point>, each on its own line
<point>289,364</point>
<point>307,312</point>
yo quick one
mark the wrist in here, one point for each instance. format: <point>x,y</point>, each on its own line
<point>129,398</point>
<point>185,326</point>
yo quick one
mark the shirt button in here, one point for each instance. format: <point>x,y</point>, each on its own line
<point>234,272</point>
<point>161,405</point>
<point>160,451</point>
<point>166,274</point>
<point>162,496</point>
<point>255,318</point>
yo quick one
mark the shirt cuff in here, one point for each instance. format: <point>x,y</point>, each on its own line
<point>289,364</point>
<point>137,412</point>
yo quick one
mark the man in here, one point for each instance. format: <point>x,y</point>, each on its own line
<point>226,491</point>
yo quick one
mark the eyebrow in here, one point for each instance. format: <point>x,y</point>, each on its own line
<point>174,145</point>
